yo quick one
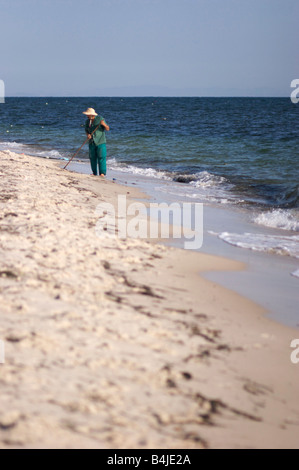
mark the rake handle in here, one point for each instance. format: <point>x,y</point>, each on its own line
<point>80,147</point>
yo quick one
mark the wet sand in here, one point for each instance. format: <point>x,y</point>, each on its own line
<point>113,343</point>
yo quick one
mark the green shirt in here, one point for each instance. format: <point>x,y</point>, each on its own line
<point>99,136</point>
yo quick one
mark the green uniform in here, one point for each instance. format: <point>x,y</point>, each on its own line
<point>97,145</point>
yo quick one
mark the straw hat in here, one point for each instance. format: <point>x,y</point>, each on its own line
<point>90,112</point>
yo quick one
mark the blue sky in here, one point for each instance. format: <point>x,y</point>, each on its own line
<point>149,47</point>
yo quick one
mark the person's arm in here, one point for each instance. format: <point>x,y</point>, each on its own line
<point>106,127</point>
<point>89,136</point>
<point>86,130</point>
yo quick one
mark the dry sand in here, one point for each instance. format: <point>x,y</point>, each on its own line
<point>115,343</point>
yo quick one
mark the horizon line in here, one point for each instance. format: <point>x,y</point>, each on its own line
<point>141,96</point>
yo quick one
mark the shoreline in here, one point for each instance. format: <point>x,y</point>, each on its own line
<point>263,269</point>
<point>115,343</point>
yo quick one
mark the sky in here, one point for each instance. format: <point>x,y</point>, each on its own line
<point>149,47</point>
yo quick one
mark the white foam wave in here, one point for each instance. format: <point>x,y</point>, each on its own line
<point>205,186</point>
<point>30,150</point>
<point>205,179</point>
<point>213,189</point>
<point>286,219</point>
<point>148,172</point>
<point>283,245</point>
<point>50,154</point>
<point>10,145</point>
<point>185,191</point>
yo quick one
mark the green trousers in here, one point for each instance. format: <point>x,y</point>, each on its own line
<point>97,157</point>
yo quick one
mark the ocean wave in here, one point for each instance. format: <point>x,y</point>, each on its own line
<point>286,219</point>
<point>205,179</point>
<point>206,187</point>
<point>197,180</point>
<point>51,154</point>
<point>31,150</point>
<point>148,172</point>
<point>213,197</point>
<point>202,185</point>
<point>220,189</point>
<point>11,145</point>
<point>282,245</point>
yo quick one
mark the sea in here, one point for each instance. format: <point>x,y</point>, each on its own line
<point>237,153</point>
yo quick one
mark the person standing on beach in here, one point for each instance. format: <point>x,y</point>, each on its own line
<point>97,141</point>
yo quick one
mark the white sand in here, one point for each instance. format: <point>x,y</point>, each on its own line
<point>115,343</point>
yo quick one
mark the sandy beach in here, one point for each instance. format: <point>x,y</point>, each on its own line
<point>120,343</point>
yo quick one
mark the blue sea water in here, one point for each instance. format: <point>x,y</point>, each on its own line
<point>239,152</point>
